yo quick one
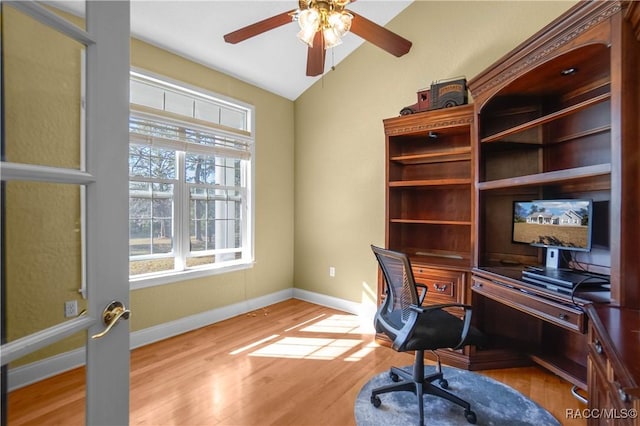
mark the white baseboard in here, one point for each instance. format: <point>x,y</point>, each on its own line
<point>26,374</point>
<point>40,370</point>
<point>360,309</point>
<point>193,322</point>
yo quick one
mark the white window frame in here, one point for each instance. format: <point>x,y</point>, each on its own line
<point>181,187</point>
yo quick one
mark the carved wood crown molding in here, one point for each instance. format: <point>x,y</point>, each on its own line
<point>415,128</point>
<point>550,47</point>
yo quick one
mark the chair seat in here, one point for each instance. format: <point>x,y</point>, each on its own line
<point>439,329</point>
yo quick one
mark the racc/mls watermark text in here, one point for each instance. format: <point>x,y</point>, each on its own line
<point>601,413</point>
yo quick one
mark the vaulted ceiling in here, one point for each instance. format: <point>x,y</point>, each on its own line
<point>274,61</point>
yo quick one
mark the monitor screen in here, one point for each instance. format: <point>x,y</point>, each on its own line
<point>563,224</point>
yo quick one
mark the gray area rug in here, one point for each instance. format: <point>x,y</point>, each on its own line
<point>493,402</point>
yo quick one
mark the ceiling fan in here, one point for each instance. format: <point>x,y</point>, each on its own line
<point>322,25</point>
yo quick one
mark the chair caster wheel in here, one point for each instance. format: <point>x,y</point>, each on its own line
<point>394,377</point>
<point>444,384</point>
<point>375,400</point>
<point>470,416</point>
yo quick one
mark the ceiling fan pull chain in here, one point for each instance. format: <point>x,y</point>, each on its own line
<point>333,60</point>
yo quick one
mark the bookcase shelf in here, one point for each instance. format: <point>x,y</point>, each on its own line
<point>547,118</point>
<point>430,182</point>
<point>432,222</point>
<point>563,176</point>
<point>455,154</point>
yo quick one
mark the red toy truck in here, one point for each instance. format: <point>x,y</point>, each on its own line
<point>442,94</point>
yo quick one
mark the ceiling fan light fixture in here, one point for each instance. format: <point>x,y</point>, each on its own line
<point>331,38</point>
<point>322,16</point>
<point>309,18</point>
<point>340,22</point>
<point>306,35</point>
<point>335,26</point>
<point>309,21</point>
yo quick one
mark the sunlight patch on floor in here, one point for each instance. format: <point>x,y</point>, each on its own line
<point>321,337</point>
<point>307,348</point>
<point>357,356</point>
<point>344,324</point>
<point>303,323</point>
<point>254,344</point>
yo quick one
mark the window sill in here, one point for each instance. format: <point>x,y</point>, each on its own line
<point>175,277</point>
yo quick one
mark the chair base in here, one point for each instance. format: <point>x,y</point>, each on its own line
<point>421,385</point>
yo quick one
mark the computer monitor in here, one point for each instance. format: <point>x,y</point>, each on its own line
<point>553,224</point>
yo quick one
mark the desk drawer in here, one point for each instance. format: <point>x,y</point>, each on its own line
<point>565,316</point>
<point>443,286</point>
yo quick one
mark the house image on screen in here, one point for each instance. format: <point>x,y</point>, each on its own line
<point>567,218</point>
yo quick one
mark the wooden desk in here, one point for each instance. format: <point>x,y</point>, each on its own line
<point>613,374</point>
<point>595,346</point>
<point>544,326</point>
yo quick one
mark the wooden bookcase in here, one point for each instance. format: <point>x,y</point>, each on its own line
<point>558,117</point>
<point>429,202</point>
<point>429,186</point>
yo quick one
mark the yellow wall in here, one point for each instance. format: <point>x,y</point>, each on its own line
<point>339,155</point>
<point>42,126</point>
<point>43,256</point>
<point>273,270</point>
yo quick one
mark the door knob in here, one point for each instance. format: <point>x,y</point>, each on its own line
<point>111,315</point>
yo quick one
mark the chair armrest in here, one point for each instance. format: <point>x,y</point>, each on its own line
<point>424,309</point>
<point>422,295</point>
<point>466,320</point>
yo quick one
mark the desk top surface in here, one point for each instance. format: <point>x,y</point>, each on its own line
<point>621,327</point>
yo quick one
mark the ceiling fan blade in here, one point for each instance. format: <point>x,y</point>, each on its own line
<point>259,27</point>
<point>315,56</point>
<point>378,35</point>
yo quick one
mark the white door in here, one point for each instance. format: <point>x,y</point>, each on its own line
<point>65,107</point>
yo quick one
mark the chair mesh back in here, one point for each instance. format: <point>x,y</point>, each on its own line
<point>400,287</point>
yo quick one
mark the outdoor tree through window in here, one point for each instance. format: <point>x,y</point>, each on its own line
<point>189,180</point>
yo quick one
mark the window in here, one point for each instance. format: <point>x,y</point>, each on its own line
<point>190,175</point>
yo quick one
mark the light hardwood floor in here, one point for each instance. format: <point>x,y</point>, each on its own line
<point>293,363</point>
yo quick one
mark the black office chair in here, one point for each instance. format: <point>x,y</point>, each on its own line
<point>413,327</point>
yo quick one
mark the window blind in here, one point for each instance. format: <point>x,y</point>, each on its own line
<point>172,133</point>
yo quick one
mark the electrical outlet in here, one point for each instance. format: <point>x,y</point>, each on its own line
<point>70,308</point>
<point>332,271</point>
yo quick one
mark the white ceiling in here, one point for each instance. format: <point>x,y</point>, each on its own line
<point>274,61</point>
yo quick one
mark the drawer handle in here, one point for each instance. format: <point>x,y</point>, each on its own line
<point>477,285</point>
<point>563,316</point>
<point>440,287</point>
<point>598,346</point>
<point>624,397</point>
